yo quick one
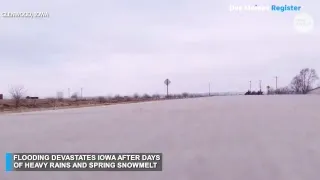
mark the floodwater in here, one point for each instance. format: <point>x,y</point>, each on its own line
<point>223,138</point>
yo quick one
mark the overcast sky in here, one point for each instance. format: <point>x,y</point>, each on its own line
<point>128,46</point>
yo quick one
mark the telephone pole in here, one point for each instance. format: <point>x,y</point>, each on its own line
<point>81,93</point>
<point>260,84</point>
<point>69,92</point>
<point>209,89</point>
<point>276,82</point>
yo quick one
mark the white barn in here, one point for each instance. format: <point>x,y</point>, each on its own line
<point>315,91</point>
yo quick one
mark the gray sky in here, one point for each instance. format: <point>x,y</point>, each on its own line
<point>127,46</point>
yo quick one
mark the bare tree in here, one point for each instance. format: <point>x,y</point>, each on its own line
<point>102,99</point>
<point>297,84</point>
<point>271,90</point>
<point>284,90</point>
<point>53,101</point>
<point>118,98</point>
<point>17,94</point>
<point>146,96</point>
<point>156,96</point>
<point>75,96</point>
<point>136,96</point>
<point>127,98</point>
<point>185,95</point>
<point>303,82</point>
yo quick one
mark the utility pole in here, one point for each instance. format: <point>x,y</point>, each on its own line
<point>81,93</point>
<point>276,82</point>
<point>260,84</point>
<point>250,85</point>
<point>209,89</point>
<point>69,92</point>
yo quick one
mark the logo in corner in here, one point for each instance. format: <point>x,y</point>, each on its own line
<point>303,23</point>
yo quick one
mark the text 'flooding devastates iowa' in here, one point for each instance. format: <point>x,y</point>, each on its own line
<point>120,161</point>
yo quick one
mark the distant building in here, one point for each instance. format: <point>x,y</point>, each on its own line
<point>315,91</point>
<point>29,97</point>
<point>1,96</point>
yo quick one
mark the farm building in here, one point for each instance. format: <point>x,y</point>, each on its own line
<point>315,91</point>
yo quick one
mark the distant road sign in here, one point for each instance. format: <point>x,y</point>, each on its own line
<point>167,82</point>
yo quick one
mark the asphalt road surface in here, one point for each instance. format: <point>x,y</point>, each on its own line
<point>217,138</point>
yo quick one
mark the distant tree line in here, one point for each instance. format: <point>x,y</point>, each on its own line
<point>19,99</point>
<point>302,83</point>
<point>254,93</point>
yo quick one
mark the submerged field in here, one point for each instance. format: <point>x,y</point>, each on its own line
<point>229,137</point>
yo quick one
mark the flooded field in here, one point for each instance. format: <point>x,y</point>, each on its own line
<point>223,138</point>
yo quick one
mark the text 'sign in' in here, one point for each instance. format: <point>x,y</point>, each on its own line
<point>83,162</point>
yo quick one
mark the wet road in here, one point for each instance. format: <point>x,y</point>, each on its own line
<point>223,138</point>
